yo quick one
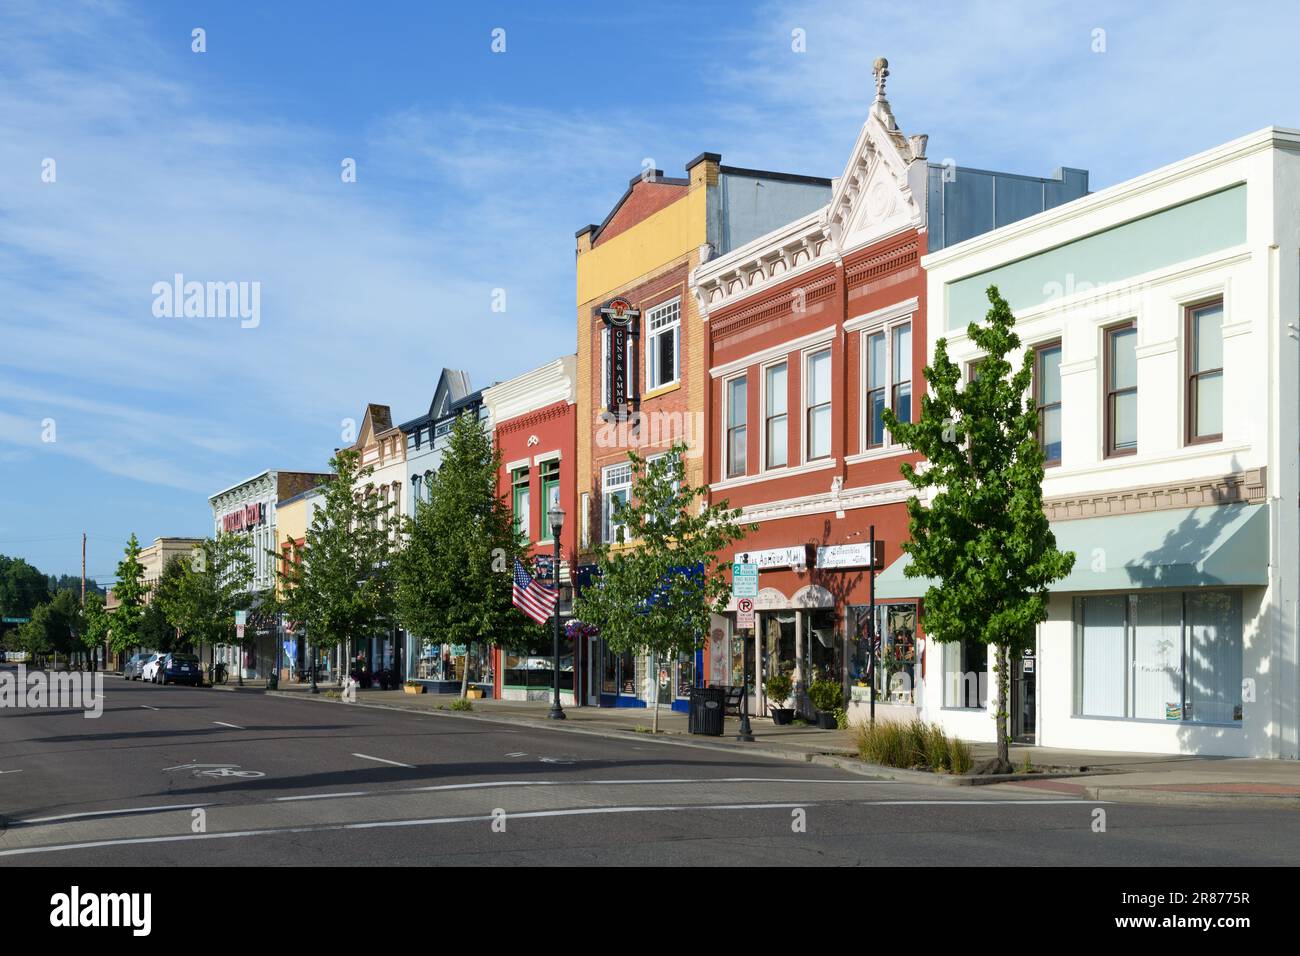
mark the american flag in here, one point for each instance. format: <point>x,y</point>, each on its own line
<point>530,597</point>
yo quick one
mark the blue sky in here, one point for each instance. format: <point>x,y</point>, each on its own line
<point>474,170</point>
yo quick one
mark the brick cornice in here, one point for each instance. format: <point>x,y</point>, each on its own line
<point>531,419</point>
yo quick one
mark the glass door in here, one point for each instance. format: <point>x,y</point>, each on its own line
<point>1023,698</point>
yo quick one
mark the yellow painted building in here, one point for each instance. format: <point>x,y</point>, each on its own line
<point>642,256</point>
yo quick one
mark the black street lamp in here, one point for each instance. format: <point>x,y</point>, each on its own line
<point>557,522</point>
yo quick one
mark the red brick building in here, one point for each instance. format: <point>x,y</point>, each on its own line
<point>810,333</point>
<point>534,427</point>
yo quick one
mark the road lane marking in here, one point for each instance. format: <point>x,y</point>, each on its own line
<point>492,784</point>
<point>147,707</point>
<point>105,813</point>
<point>477,818</point>
<point>323,796</point>
<point>191,766</point>
<point>231,726</point>
<point>408,766</point>
<point>10,771</point>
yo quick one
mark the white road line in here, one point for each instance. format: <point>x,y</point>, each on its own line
<point>106,813</point>
<point>231,726</point>
<point>408,766</point>
<point>147,707</point>
<point>324,796</point>
<point>10,771</point>
<point>531,814</point>
<point>191,766</point>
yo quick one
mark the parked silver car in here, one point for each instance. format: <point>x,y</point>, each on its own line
<point>134,667</point>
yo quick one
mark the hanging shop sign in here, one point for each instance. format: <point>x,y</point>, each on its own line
<point>849,555</point>
<point>794,557</point>
<point>622,320</point>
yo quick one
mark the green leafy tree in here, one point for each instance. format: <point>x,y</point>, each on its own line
<point>96,624</point>
<point>199,595</point>
<point>342,588</point>
<point>130,591</point>
<point>455,573</point>
<point>984,537</point>
<point>54,628</point>
<point>22,587</point>
<point>656,594</point>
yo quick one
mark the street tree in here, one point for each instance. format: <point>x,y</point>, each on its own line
<point>341,589</point>
<point>96,624</point>
<point>200,595</point>
<point>657,586</point>
<point>130,591</point>
<point>983,537</point>
<point>455,573</point>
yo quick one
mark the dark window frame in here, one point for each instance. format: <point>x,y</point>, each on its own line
<point>1039,406</point>
<point>1109,393</point>
<point>1192,375</point>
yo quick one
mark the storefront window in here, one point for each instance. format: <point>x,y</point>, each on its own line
<point>609,671</point>
<point>1159,656</point>
<point>685,675</point>
<point>822,645</point>
<point>895,675</point>
<point>965,674</point>
<point>627,673</point>
<point>532,666</point>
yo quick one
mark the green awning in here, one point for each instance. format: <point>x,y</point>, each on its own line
<point>1214,545</point>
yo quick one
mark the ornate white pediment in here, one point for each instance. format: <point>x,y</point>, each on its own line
<point>881,192</point>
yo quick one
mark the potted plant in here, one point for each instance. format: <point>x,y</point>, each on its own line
<point>828,698</point>
<point>778,688</point>
<point>413,687</point>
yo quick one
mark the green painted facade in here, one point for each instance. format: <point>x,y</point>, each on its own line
<point>1186,231</point>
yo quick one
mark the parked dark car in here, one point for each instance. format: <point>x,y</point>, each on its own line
<point>134,667</point>
<point>181,669</point>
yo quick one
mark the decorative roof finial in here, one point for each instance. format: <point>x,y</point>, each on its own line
<point>881,69</point>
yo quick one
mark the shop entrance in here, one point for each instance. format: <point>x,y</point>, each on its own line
<point>1023,699</point>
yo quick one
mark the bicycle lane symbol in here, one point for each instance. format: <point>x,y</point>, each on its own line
<point>219,770</point>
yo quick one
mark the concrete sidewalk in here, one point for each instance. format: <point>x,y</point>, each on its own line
<point>1100,775</point>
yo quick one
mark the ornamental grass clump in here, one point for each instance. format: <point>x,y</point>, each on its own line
<point>912,745</point>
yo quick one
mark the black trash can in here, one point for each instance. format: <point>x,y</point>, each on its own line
<point>708,705</point>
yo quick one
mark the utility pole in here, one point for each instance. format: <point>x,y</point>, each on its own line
<point>83,569</point>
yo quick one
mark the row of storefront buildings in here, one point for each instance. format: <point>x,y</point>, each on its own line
<point>766,319</point>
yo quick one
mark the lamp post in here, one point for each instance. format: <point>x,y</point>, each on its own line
<point>557,522</point>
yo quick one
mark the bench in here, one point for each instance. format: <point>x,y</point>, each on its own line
<point>735,693</point>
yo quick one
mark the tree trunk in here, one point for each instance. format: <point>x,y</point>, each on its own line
<point>654,687</point>
<point>1004,683</point>
<point>464,672</point>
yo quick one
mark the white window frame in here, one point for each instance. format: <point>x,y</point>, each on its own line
<point>762,415</point>
<point>607,526</point>
<point>804,381</point>
<point>726,426</point>
<point>673,308</point>
<point>887,442</point>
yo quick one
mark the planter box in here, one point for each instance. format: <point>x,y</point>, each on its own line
<point>475,693</point>
<point>413,688</point>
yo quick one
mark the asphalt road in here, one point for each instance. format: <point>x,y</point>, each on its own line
<point>281,781</point>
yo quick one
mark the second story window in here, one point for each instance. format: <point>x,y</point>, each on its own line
<point>663,324</point>
<point>1047,400</point>
<point>521,501</point>
<point>776,432</point>
<point>888,378</point>
<point>1204,338</point>
<point>1121,390</point>
<point>550,484</point>
<point>616,485</point>
<point>737,410</point>
<point>817,419</point>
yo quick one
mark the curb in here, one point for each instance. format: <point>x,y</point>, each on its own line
<point>1100,792</point>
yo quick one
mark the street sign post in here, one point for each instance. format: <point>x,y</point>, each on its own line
<point>744,580</point>
<point>744,614</point>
